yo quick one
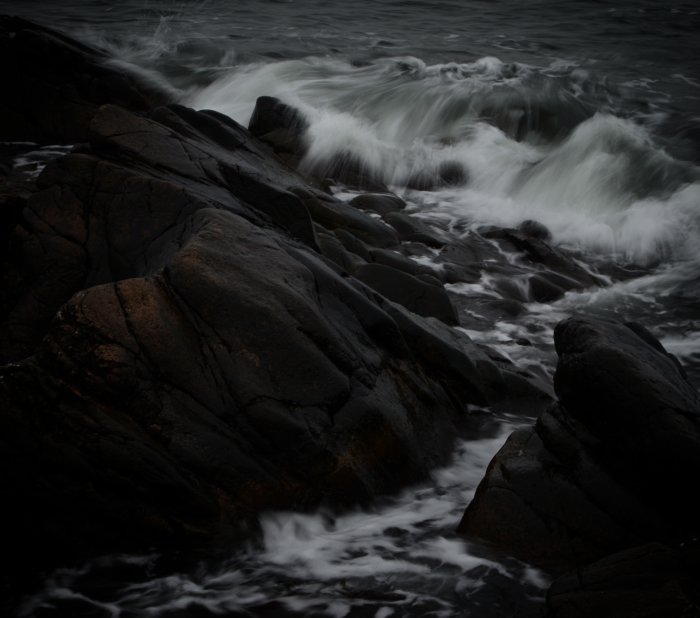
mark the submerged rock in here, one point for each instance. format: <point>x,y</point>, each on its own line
<point>556,272</point>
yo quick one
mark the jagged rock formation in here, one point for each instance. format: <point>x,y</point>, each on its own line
<point>607,469</point>
<point>184,342</point>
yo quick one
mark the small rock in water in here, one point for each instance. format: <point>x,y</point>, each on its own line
<point>535,229</point>
<point>452,174</point>
<point>381,203</point>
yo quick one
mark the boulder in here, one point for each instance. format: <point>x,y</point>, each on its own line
<point>334,214</point>
<point>421,297</point>
<point>535,229</point>
<point>563,272</point>
<point>281,127</point>
<point>381,203</point>
<point>344,168</point>
<point>411,229</point>
<point>192,160</point>
<point>619,382</point>
<point>608,467</point>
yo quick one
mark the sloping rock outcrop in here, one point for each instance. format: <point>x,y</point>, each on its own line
<point>179,352</point>
<point>607,469</point>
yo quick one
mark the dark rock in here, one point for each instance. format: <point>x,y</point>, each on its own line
<point>463,260</point>
<point>650,581</point>
<point>482,311</point>
<point>13,199</point>
<point>538,252</point>
<point>546,286</point>
<point>546,500</point>
<point>353,244</point>
<point>469,373</point>
<point>53,85</point>
<point>333,214</point>
<point>535,229</point>
<point>333,249</point>
<point>452,174</point>
<point>420,297</point>
<point>619,382</point>
<point>202,389</point>
<point>347,169</point>
<point>400,262</point>
<point>513,288</point>
<point>413,230</point>
<point>534,113</point>
<point>606,469</point>
<point>381,203</point>
<point>180,356</point>
<point>280,126</point>
<point>135,215</point>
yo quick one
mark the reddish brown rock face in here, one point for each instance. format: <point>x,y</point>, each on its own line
<point>181,356</point>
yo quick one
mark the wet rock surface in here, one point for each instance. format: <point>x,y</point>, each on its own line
<point>192,333</point>
<point>605,470</point>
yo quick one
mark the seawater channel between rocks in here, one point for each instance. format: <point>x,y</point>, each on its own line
<point>399,558</point>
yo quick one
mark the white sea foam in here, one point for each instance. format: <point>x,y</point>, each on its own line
<point>394,556</point>
<point>605,188</point>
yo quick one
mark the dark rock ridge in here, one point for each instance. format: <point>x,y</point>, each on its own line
<point>38,103</point>
<point>184,342</point>
<point>607,469</point>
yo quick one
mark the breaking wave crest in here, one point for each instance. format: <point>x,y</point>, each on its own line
<point>501,142</point>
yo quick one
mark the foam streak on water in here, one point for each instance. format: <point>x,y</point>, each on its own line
<point>529,147</point>
<point>402,557</point>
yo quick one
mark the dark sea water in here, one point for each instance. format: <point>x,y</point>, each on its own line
<point>583,115</point>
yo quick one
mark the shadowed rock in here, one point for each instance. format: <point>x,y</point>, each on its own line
<point>281,127</point>
<point>558,272</point>
<point>53,85</point>
<point>650,581</point>
<point>189,358</point>
<point>381,203</point>
<point>411,229</point>
<point>421,297</point>
<point>606,469</point>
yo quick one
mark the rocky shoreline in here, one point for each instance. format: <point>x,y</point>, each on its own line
<point>193,331</point>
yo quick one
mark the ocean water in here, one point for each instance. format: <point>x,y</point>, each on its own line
<point>582,115</point>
